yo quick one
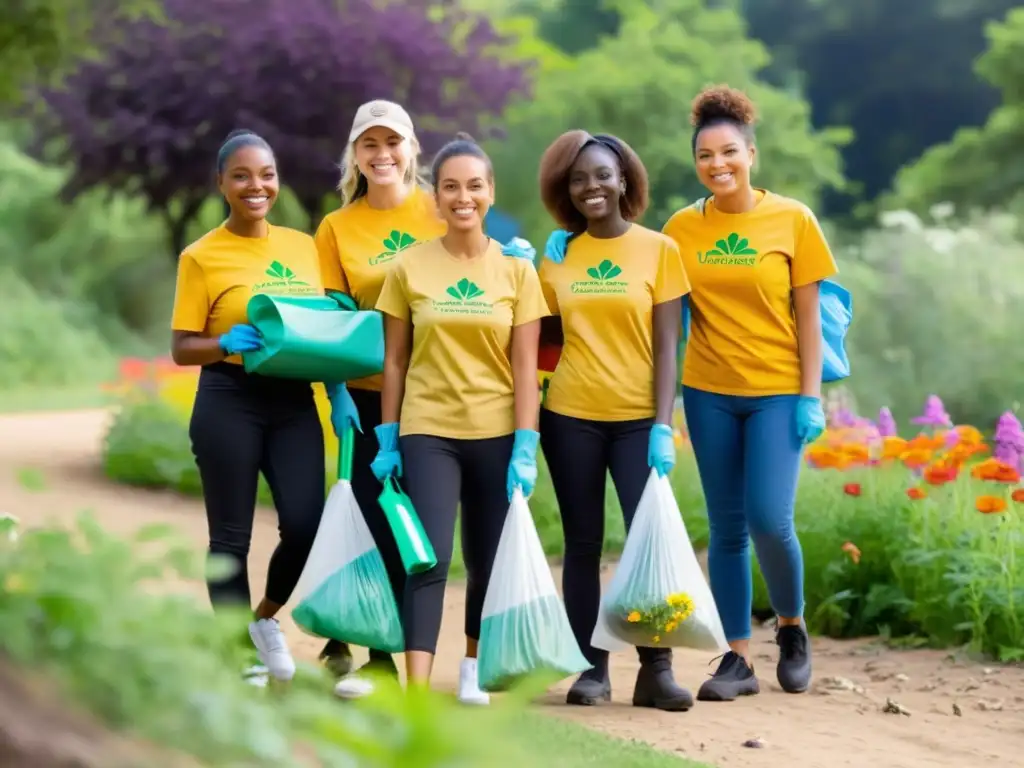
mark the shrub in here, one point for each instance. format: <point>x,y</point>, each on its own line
<point>78,606</point>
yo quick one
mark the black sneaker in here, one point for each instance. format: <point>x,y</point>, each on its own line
<point>732,679</point>
<point>794,670</point>
<point>337,657</point>
<point>591,688</point>
<point>656,688</point>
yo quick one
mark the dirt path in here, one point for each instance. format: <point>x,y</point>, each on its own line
<point>841,723</point>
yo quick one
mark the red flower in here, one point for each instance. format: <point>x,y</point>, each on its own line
<point>852,489</point>
<point>916,493</point>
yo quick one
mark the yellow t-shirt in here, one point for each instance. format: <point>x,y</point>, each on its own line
<point>358,245</point>
<point>743,267</point>
<point>605,291</point>
<point>221,271</point>
<point>459,383</point>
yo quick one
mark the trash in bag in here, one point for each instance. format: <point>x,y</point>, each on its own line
<point>344,592</point>
<point>414,546</point>
<point>525,627</point>
<point>658,596</point>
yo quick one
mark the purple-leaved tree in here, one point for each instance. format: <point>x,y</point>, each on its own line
<point>149,116</point>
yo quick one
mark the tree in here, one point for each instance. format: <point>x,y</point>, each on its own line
<point>151,115</point>
<point>639,84</point>
<point>39,39</point>
<point>977,167</point>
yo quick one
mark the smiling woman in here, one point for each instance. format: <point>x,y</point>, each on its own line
<point>243,424</point>
<point>615,291</point>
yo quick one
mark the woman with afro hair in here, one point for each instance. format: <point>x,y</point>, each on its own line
<point>751,381</point>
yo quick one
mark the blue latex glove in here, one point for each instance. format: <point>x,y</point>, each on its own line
<point>661,449</point>
<point>519,248</point>
<point>556,246</point>
<point>522,469</point>
<point>686,317</point>
<point>810,419</point>
<point>241,338</point>
<point>389,460</point>
<point>344,413</point>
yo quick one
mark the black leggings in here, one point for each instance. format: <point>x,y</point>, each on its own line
<point>580,453</point>
<point>243,424</point>
<point>440,474</point>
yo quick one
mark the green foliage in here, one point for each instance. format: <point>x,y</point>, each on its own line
<point>936,309</point>
<point>40,39</point>
<point>80,606</point>
<point>638,85</point>
<point>976,168</point>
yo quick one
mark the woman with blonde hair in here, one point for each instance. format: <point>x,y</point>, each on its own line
<point>386,208</point>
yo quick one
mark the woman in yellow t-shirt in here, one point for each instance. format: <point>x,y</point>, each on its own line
<point>384,211</point>
<point>751,381</point>
<point>615,291</point>
<point>243,424</point>
<point>464,389</point>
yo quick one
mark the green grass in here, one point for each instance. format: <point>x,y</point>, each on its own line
<point>566,745</point>
<point>78,609</point>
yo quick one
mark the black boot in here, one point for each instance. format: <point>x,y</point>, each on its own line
<point>337,657</point>
<point>794,669</point>
<point>656,686</point>
<point>591,688</point>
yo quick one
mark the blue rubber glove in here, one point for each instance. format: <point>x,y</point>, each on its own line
<point>686,317</point>
<point>519,248</point>
<point>389,460</point>
<point>522,469</point>
<point>344,413</point>
<point>661,449</point>
<point>810,419</point>
<point>556,246</point>
<point>241,338</point>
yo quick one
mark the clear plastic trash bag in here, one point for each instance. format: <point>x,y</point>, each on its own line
<point>658,596</point>
<point>344,592</point>
<point>524,625</point>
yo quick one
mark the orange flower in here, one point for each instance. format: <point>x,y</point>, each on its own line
<point>851,549</point>
<point>1018,495</point>
<point>893,447</point>
<point>852,489</point>
<point>855,453</point>
<point>916,493</point>
<point>996,471</point>
<point>968,435</point>
<point>989,505</point>
<point>821,457</point>
<point>916,458</point>
<point>923,442</point>
<point>941,472</point>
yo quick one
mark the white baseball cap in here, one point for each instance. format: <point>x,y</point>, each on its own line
<point>381,114</point>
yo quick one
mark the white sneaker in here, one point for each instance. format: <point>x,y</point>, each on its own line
<point>272,647</point>
<point>469,686</point>
<point>257,675</point>
<point>353,687</point>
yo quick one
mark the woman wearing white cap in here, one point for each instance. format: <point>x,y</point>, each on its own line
<point>385,209</point>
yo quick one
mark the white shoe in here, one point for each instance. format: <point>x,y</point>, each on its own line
<point>257,675</point>
<point>353,687</point>
<point>469,686</point>
<point>272,647</point>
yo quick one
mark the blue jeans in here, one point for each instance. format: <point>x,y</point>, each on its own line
<point>748,456</point>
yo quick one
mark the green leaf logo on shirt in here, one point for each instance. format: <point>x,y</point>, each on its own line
<point>731,251</point>
<point>605,271</point>
<point>279,273</point>
<point>463,298</point>
<point>394,244</point>
<point>602,280</point>
<point>464,290</point>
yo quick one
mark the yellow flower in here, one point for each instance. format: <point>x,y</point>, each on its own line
<point>670,627</point>
<point>634,617</point>
<point>657,638</point>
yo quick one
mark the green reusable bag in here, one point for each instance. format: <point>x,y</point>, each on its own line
<point>314,338</point>
<point>414,547</point>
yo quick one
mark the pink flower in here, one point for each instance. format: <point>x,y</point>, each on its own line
<point>886,423</point>
<point>934,414</point>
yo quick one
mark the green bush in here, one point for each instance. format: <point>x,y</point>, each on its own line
<point>77,606</point>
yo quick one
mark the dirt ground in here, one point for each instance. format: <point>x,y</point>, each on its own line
<point>841,722</point>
